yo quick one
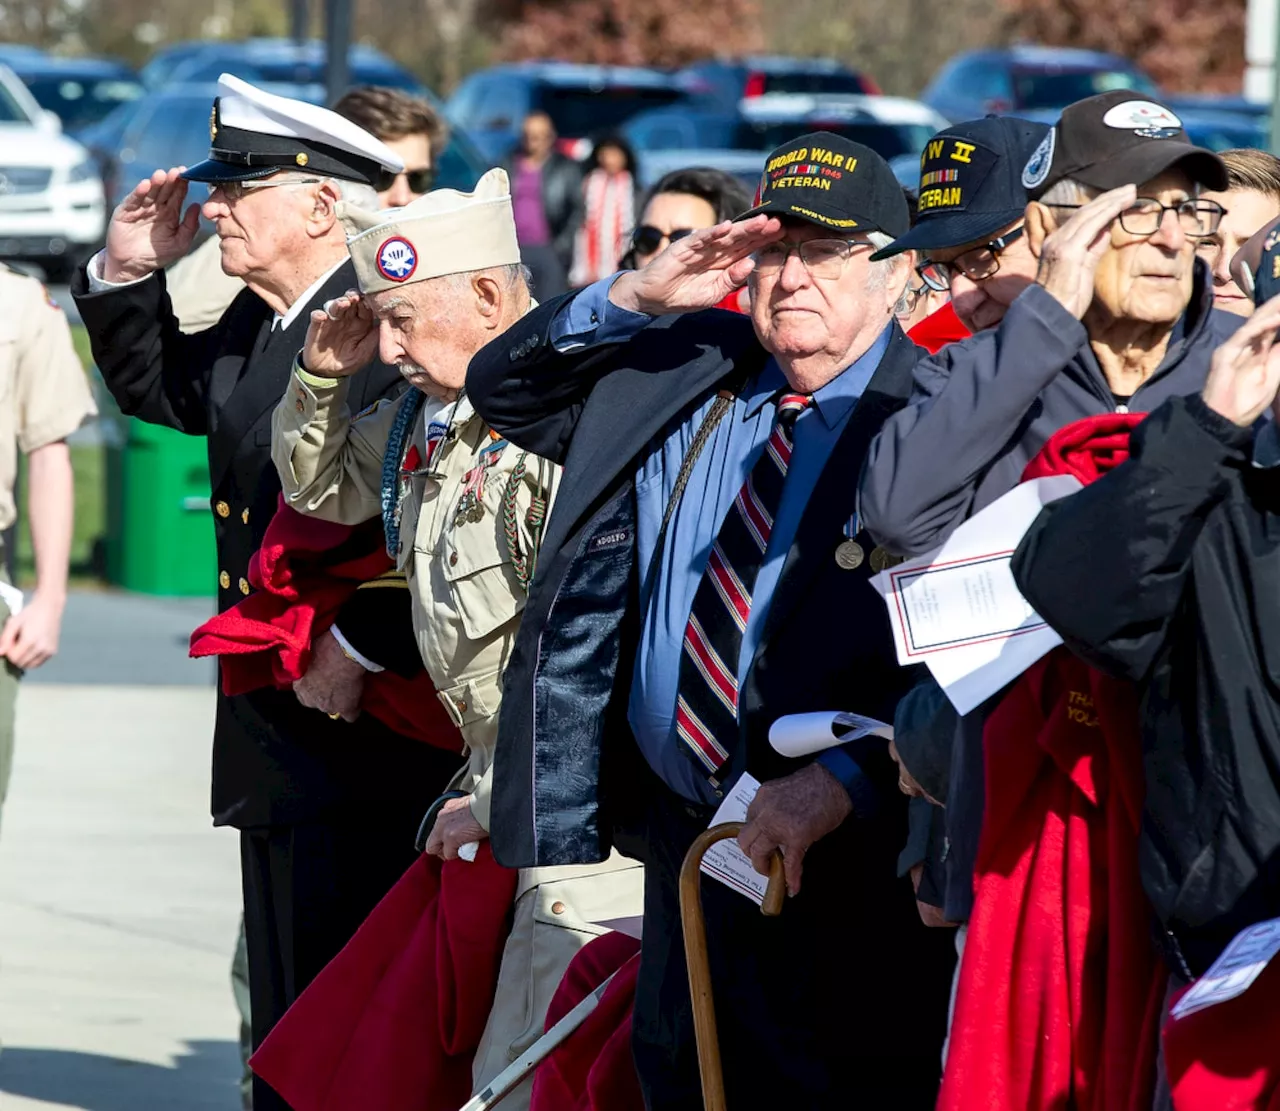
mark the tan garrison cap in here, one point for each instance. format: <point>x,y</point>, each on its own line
<point>444,232</point>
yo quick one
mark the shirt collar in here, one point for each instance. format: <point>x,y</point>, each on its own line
<point>302,302</point>
<point>836,399</point>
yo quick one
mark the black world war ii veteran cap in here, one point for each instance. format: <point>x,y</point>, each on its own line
<point>833,183</point>
<point>1115,139</point>
<point>970,183</point>
<point>253,134</point>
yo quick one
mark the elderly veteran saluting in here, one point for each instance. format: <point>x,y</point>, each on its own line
<point>704,573</point>
<point>327,808</point>
<point>464,512</point>
<point>1120,316</point>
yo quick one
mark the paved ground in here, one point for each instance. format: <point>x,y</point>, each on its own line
<point>118,901</point>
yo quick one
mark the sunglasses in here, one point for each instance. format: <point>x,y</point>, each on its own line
<point>420,181</point>
<point>648,240</point>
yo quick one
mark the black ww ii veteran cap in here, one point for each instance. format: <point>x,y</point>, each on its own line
<point>834,183</point>
<point>970,183</point>
<point>1116,139</point>
<point>253,134</point>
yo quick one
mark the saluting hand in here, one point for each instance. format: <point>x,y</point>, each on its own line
<point>792,814</point>
<point>698,271</point>
<point>342,337</point>
<point>149,229</point>
<point>1245,373</point>
<point>1071,252</point>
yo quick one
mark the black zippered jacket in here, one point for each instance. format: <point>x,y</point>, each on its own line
<point>1166,572</point>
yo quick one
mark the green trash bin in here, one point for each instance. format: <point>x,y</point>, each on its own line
<point>159,522</point>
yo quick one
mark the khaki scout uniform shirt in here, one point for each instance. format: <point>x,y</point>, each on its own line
<point>44,392</point>
<point>467,598</point>
<point>467,603</point>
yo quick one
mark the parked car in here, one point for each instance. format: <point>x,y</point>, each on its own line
<point>583,102</point>
<point>891,126</point>
<point>170,127</point>
<point>51,204</point>
<point>746,165</point>
<point>724,82</point>
<point>269,62</point>
<point>81,91</point>
<point>1028,80</point>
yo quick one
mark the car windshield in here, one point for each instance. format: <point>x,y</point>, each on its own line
<point>10,110</point>
<point>579,110</point>
<point>1056,88</point>
<point>81,102</point>
<point>889,140</point>
<point>801,82</point>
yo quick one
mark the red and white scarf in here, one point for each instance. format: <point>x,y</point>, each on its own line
<point>610,204</point>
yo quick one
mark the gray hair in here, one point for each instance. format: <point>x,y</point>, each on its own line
<point>355,193</point>
<point>1066,192</point>
<point>878,272</point>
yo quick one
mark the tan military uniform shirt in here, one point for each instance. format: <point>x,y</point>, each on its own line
<point>468,599</point>
<point>44,391</point>
<point>467,595</point>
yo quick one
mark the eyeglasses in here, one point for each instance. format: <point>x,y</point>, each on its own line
<point>233,190</point>
<point>823,258</point>
<point>1195,217</point>
<point>977,264</point>
<point>420,181</point>
<point>648,240</point>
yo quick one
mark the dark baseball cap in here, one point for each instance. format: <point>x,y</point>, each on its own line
<point>1118,138</point>
<point>970,183</point>
<point>834,183</point>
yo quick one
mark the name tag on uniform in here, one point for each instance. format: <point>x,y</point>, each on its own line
<point>608,540</point>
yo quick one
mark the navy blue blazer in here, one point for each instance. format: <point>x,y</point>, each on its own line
<point>568,775</point>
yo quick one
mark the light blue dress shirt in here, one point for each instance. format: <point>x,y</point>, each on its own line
<point>590,319</point>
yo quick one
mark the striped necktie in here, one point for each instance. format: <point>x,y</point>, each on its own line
<point>707,702</point>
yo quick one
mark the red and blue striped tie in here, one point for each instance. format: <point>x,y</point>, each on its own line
<point>707,702</point>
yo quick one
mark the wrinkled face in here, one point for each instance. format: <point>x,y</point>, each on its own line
<point>1148,278</point>
<point>415,150</point>
<point>262,230</point>
<point>799,315</point>
<point>673,212</point>
<point>430,330</point>
<point>981,303</point>
<point>1247,211</point>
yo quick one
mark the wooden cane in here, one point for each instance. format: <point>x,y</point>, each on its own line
<point>695,954</point>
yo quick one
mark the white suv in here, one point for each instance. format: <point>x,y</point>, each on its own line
<point>52,210</point>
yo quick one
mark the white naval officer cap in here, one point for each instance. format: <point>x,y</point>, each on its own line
<point>443,232</point>
<point>253,134</point>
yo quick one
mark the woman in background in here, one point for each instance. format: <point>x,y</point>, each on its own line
<point>609,197</point>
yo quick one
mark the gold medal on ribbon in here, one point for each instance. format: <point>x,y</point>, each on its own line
<point>882,558</point>
<point>849,555</point>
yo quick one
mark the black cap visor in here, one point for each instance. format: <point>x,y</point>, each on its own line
<point>944,232</point>
<point>215,172</point>
<point>1142,163</point>
<point>842,226</point>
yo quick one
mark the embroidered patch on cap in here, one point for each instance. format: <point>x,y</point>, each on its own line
<point>1037,167</point>
<point>397,259</point>
<point>1151,121</point>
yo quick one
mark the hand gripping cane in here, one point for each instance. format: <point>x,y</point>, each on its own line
<point>695,953</point>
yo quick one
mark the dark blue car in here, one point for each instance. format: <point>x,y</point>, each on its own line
<point>81,92</point>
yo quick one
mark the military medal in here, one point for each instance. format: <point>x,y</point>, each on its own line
<point>471,504</point>
<point>882,558</point>
<point>849,553</point>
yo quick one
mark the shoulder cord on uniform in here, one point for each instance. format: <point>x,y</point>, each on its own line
<point>392,461</point>
<point>525,564</point>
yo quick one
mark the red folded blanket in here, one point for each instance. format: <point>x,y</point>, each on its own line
<point>1227,1057</point>
<point>1060,988</point>
<point>303,574</point>
<point>938,329</point>
<point>393,1021</point>
<point>594,1070</point>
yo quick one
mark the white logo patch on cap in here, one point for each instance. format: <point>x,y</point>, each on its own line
<point>397,260</point>
<point>1142,116</point>
<point>1037,167</point>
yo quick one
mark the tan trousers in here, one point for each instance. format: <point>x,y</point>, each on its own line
<point>557,911</point>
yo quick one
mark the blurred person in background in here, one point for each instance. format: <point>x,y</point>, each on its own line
<point>1251,199</point>
<point>682,202</point>
<point>199,288</point>
<point>609,194</point>
<point>44,397</point>
<point>547,190</point>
